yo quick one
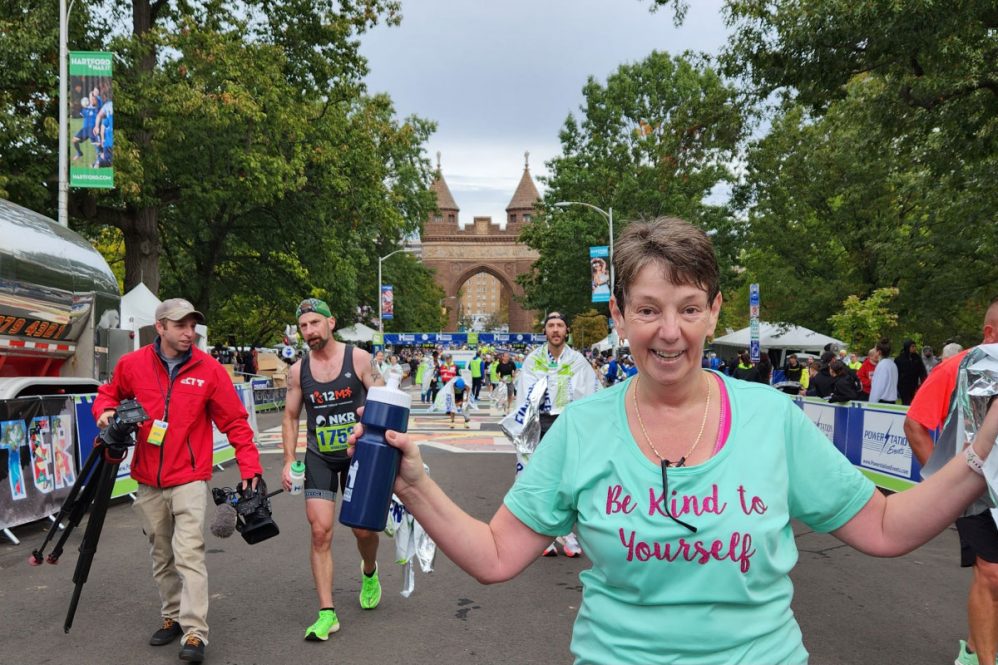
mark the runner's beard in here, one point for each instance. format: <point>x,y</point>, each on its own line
<point>317,343</point>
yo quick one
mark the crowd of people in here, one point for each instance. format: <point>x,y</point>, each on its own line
<point>718,463</point>
<point>840,376</point>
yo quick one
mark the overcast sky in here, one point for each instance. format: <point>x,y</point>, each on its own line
<point>499,78</point>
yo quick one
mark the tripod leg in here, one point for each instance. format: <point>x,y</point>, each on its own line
<point>108,471</point>
<point>77,496</point>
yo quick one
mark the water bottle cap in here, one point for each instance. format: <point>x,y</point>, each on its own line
<point>298,466</point>
<point>387,395</point>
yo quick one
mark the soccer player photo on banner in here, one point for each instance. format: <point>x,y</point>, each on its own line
<point>387,301</point>
<point>600,269</point>
<point>91,120</point>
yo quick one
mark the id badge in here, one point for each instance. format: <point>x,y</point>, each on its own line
<point>158,432</point>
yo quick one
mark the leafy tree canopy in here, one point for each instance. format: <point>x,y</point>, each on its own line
<point>252,168</point>
<point>655,140</point>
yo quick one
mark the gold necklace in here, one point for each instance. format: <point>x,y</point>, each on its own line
<point>703,424</point>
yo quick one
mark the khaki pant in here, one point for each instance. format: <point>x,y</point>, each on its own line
<point>173,518</point>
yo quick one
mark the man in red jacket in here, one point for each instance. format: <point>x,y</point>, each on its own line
<point>183,390</point>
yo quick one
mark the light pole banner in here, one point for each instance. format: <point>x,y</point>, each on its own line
<point>387,301</point>
<point>754,351</point>
<point>598,266</point>
<point>91,120</point>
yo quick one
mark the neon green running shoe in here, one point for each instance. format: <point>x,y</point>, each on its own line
<point>326,623</point>
<point>370,589</point>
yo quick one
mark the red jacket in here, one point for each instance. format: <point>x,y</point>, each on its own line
<point>865,374</point>
<point>201,393</point>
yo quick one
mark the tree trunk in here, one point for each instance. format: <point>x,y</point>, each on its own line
<point>142,249</point>
<point>139,226</point>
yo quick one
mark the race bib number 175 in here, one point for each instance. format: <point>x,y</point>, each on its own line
<point>333,438</point>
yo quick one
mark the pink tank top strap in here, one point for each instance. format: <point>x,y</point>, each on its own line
<point>724,427</point>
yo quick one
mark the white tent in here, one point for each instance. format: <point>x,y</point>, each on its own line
<point>138,308</point>
<point>358,332</point>
<point>138,313</point>
<point>606,344</point>
<point>775,336</point>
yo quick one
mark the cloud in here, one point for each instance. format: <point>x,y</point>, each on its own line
<point>500,79</point>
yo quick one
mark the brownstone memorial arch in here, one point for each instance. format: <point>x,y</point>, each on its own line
<point>456,254</point>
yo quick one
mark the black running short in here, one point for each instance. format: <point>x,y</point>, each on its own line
<point>324,476</point>
<point>978,538</point>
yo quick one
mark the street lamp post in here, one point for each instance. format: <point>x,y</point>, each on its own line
<point>64,111</point>
<point>381,323</point>
<point>608,216</point>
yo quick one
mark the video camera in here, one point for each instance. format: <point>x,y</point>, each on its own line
<point>123,424</point>
<point>253,514</point>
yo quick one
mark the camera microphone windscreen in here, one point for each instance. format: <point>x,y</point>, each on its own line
<point>223,524</point>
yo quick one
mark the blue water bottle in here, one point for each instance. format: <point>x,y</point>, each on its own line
<point>375,463</point>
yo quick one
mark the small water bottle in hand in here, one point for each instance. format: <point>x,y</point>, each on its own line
<point>297,477</point>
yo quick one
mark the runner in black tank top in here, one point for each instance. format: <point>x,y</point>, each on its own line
<point>331,410</point>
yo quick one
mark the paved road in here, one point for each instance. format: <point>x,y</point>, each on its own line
<point>853,609</point>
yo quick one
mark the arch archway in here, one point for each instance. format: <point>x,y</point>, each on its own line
<point>456,255</point>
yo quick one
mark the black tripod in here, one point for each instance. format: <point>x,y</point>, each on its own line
<point>92,486</point>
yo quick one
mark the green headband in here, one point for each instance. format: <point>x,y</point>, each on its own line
<point>313,305</point>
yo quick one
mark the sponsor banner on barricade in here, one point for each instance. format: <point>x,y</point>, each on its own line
<point>222,451</point>
<point>37,458</point>
<point>871,436</point>
<point>86,427</point>
<point>879,446</point>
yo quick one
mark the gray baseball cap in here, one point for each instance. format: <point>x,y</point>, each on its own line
<point>176,309</point>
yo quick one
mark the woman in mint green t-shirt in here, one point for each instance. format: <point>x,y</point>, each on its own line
<point>681,484</point>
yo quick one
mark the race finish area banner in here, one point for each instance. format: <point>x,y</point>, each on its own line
<point>91,120</point>
<point>417,339</point>
<point>37,457</point>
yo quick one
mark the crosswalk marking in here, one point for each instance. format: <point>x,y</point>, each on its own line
<point>431,430</point>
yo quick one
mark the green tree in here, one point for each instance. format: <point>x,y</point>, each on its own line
<point>894,114</point>
<point>655,140</point>
<point>251,167</point>
<point>588,328</point>
<point>836,208</point>
<point>862,322</point>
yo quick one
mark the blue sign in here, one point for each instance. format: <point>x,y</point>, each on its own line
<point>754,322</point>
<point>406,339</point>
<point>387,302</point>
<point>599,269</point>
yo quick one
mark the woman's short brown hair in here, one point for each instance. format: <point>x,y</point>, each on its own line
<point>682,250</point>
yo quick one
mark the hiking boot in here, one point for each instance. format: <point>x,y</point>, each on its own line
<point>326,623</point>
<point>370,589</point>
<point>193,649</point>
<point>169,632</point>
